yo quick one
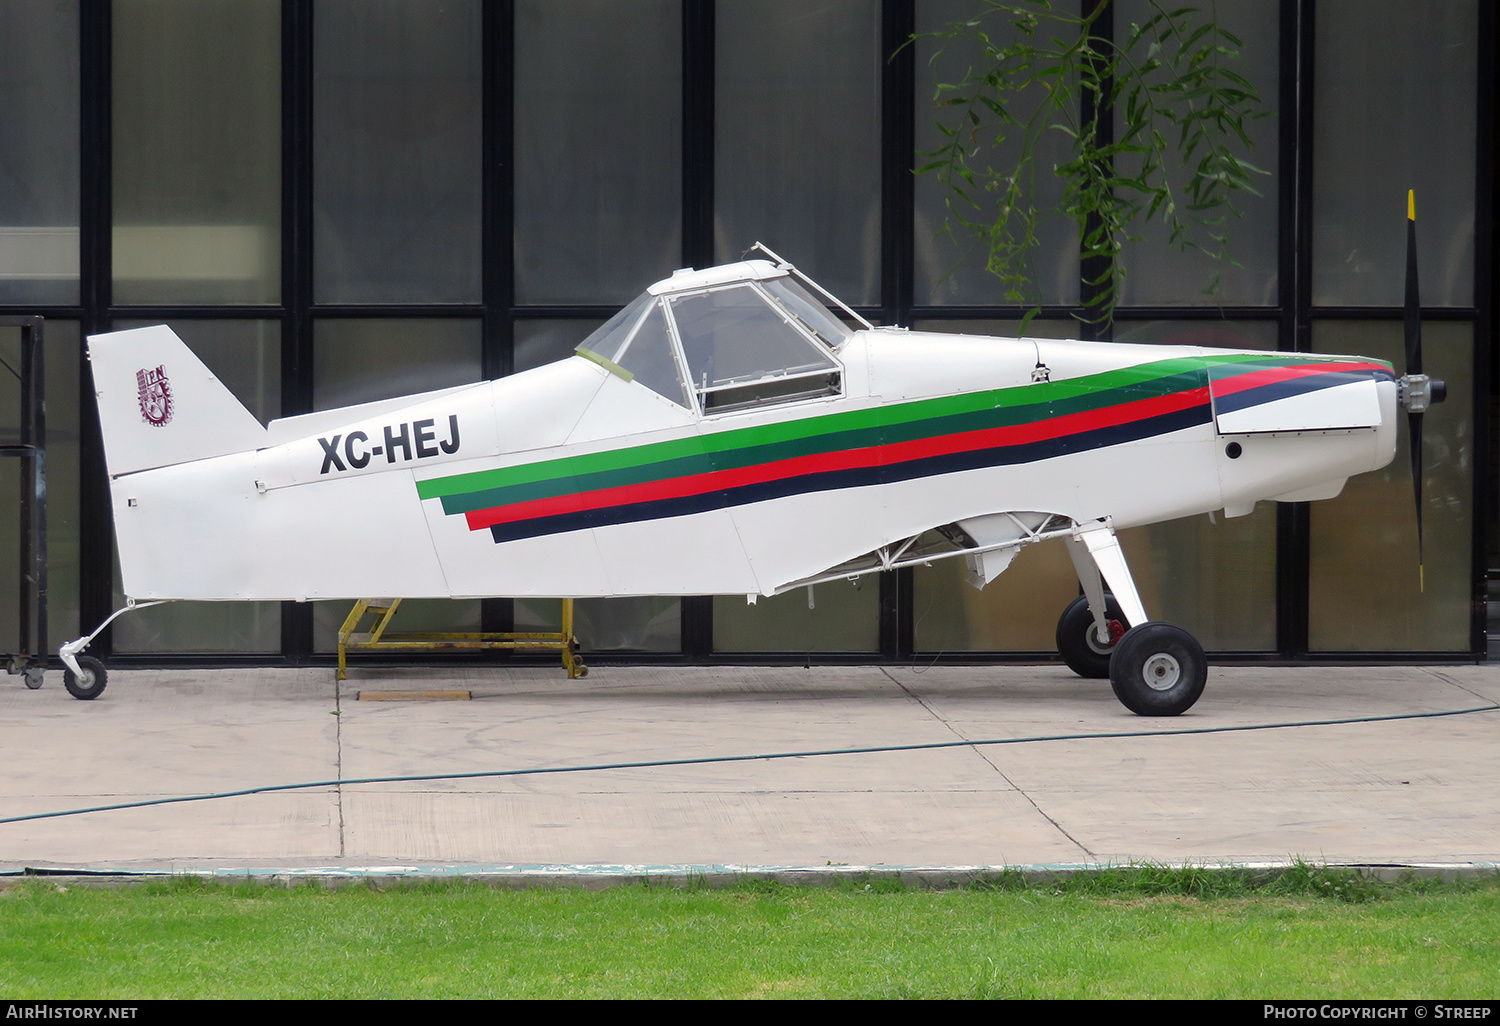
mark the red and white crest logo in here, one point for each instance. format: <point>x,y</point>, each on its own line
<point>155,393</point>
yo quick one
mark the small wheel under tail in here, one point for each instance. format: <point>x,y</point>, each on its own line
<point>89,684</point>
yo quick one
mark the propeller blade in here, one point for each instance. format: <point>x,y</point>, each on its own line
<point>1413,316</point>
<point>1413,324</point>
<point>1414,423</point>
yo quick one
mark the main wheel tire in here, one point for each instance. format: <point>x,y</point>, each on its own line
<point>1078,642</point>
<point>88,685</point>
<point>1158,669</point>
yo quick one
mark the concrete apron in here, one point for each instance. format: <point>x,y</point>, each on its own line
<point>1079,783</point>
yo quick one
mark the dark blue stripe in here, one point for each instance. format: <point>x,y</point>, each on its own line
<point>858,477</point>
<point>1289,387</point>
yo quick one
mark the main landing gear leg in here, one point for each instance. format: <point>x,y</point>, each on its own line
<point>1155,668</point>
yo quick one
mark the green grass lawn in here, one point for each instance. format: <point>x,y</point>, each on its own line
<point>1131,933</point>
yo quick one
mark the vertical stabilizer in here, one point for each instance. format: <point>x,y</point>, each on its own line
<point>159,405</point>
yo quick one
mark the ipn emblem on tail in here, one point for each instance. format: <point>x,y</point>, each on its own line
<point>155,394</point>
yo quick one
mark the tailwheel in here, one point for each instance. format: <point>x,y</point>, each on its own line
<point>89,684</point>
<point>1158,669</point>
<point>1078,641</point>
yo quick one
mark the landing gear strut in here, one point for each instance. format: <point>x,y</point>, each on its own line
<point>1155,668</point>
<point>84,676</point>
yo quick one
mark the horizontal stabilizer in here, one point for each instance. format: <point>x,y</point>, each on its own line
<point>159,405</point>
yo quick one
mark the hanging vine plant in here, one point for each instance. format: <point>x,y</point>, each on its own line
<point>1155,127</point>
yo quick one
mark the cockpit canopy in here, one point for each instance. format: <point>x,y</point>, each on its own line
<point>728,338</point>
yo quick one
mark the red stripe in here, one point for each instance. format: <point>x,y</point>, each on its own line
<point>882,455</point>
<point>1255,379</point>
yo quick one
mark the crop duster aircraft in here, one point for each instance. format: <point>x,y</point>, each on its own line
<point>726,433</point>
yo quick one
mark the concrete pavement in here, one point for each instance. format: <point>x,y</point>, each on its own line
<point>1414,791</point>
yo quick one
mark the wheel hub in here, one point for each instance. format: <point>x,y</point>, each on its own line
<point>1162,672</point>
<point>1102,644</point>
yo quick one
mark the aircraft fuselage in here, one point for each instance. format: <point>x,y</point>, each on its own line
<point>574,480</point>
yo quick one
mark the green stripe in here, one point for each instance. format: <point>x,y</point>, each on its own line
<point>791,448</point>
<point>803,436</point>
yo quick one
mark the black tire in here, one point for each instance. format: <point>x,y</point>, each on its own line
<point>1077,642</point>
<point>91,685</point>
<point>1158,669</point>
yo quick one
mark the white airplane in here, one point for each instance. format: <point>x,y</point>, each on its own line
<point>726,433</point>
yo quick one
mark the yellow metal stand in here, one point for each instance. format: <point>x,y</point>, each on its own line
<point>358,634</point>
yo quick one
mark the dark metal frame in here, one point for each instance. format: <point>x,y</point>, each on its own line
<point>498,311</point>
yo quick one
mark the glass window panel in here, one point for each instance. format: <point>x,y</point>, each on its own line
<point>246,356</point>
<point>360,360</point>
<point>951,268</point>
<point>1212,574</point>
<point>836,616</point>
<point>396,152</point>
<point>1365,593</point>
<point>1038,328</point>
<point>64,359</point>
<point>1159,272</point>
<point>39,152</point>
<point>206,627</point>
<point>734,341</point>
<point>797,138</point>
<point>1395,110</point>
<point>810,310</point>
<point>636,624</point>
<point>598,165</point>
<point>1016,612</point>
<point>197,151</point>
<point>1214,334</point>
<point>652,358</point>
<point>60,365</point>
<point>12,484</point>
<point>612,336</point>
<point>543,341</point>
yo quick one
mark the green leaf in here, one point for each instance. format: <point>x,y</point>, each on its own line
<point>1176,103</point>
